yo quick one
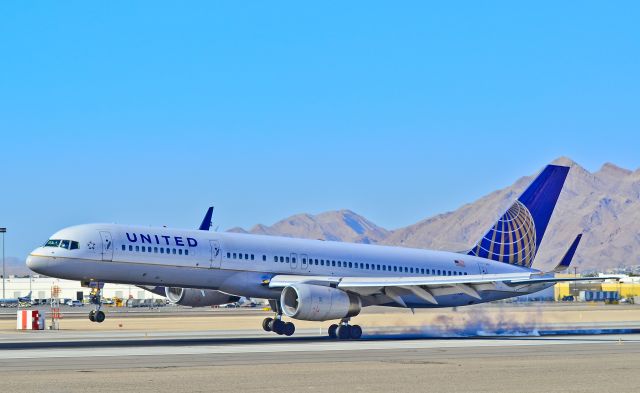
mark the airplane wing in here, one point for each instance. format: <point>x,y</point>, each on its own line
<point>424,286</point>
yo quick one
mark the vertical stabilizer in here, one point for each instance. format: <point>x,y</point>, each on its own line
<point>516,236</point>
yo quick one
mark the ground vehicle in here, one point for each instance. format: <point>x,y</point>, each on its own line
<point>74,303</point>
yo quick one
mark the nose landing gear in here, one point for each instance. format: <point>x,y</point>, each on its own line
<point>96,315</point>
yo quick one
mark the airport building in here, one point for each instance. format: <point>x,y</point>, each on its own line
<point>41,289</point>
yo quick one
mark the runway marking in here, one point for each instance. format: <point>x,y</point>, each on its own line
<point>302,347</point>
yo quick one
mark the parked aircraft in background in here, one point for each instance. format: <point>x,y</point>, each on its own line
<point>14,302</point>
<point>312,279</point>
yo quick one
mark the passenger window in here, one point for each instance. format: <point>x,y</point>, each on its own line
<point>161,250</point>
<point>378,267</point>
<point>322,262</point>
<point>130,248</point>
<point>438,272</point>
<point>246,256</point>
<point>235,256</point>
<point>123,247</point>
<point>228,255</point>
<point>286,259</point>
<point>350,265</point>
<point>144,249</point>
<point>186,252</point>
<point>281,259</point>
<point>155,249</point>
<point>180,251</point>
<point>367,265</point>
<point>137,248</point>
<point>333,263</point>
<point>411,270</point>
<point>174,251</point>
<point>421,271</point>
<point>252,257</point>
<point>264,258</point>
<point>384,268</point>
<point>339,263</point>
<point>293,259</point>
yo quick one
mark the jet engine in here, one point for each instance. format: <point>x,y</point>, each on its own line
<point>318,303</point>
<point>198,297</point>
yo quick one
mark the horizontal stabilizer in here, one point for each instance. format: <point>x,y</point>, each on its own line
<point>566,260</point>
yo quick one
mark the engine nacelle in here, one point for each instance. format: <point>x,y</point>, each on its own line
<point>198,297</point>
<point>318,303</point>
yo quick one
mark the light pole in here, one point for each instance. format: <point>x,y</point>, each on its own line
<point>3,231</point>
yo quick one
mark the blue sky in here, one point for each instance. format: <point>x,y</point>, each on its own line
<point>148,112</point>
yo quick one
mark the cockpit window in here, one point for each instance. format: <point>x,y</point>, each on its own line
<point>67,244</point>
<point>52,243</point>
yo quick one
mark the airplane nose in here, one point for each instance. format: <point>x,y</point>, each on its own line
<point>36,263</point>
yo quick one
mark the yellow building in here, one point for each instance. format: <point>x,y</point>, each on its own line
<point>624,289</point>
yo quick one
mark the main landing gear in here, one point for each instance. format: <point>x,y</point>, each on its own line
<point>96,315</point>
<point>277,325</point>
<point>344,331</point>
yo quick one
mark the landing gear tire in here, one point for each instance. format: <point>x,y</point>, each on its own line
<point>333,331</point>
<point>344,332</point>
<point>289,329</point>
<point>100,317</point>
<point>355,332</point>
<point>266,324</point>
<point>92,315</point>
<point>278,326</point>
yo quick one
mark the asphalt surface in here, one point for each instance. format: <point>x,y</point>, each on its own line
<point>515,349</point>
<point>263,362</point>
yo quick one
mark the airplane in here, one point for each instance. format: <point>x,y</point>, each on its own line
<point>313,280</point>
<point>16,301</point>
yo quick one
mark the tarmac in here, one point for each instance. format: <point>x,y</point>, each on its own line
<point>551,356</point>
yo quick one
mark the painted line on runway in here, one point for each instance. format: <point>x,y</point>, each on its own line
<point>298,347</point>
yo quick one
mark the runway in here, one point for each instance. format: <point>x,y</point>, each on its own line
<point>503,348</point>
<point>269,363</point>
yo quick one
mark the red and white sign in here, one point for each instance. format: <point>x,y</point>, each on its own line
<point>30,320</point>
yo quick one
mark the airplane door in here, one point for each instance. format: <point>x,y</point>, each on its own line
<point>303,261</point>
<point>483,267</point>
<point>294,261</point>
<point>107,246</point>
<point>215,257</point>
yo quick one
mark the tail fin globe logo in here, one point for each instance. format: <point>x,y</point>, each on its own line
<point>512,239</point>
<point>517,235</point>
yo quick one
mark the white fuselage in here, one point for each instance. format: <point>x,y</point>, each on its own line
<point>242,264</point>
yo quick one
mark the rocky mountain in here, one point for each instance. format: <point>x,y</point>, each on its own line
<point>16,267</point>
<point>604,206</point>
<point>342,225</point>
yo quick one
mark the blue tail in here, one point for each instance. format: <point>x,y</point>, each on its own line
<point>516,237</point>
